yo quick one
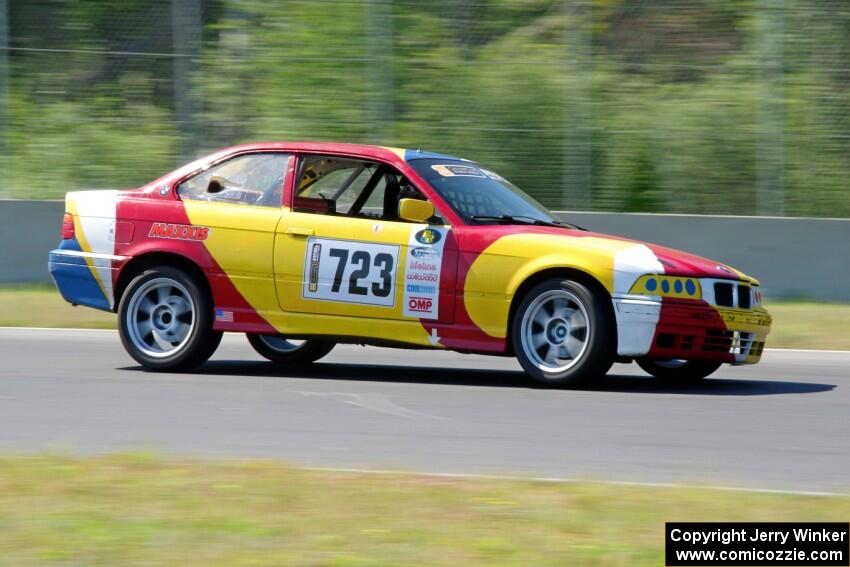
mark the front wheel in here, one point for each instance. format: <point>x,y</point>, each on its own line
<point>165,320</point>
<point>678,370</point>
<point>563,334</point>
<point>282,350</point>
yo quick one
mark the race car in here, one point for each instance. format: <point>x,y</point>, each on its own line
<point>305,245</point>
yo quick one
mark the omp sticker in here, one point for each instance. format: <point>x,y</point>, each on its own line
<point>178,231</point>
<point>350,271</point>
<point>461,170</point>
<point>423,266</point>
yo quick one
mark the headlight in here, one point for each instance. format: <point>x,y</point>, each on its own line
<point>667,286</point>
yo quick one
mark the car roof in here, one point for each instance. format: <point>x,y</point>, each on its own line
<point>378,152</point>
<point>362,151</point>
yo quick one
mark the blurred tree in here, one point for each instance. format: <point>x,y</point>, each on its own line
<point>670,39</point>
<point>672,84</point>
<point>642,187</point>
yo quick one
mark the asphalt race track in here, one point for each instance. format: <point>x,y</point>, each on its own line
<point>783,424</point>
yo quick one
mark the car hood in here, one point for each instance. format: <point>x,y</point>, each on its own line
<point>680,263</point>
<point>641,256</point>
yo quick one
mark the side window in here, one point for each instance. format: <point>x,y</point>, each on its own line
<point>253,179</point>
<point>374,204</point>
<point>340,186</point>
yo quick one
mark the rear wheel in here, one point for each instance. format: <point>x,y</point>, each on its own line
<point>678,370</point>
<point>562,333</point>
<point>278,348</point>
<point>165,320</point>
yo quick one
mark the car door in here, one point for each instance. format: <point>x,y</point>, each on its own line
<point>239,201</point>
<point>341,250</point>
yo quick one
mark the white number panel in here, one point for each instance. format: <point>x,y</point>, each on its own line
<point>350,271</point>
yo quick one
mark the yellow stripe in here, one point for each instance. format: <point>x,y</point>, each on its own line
<point>71,207</point>
<point>241,240</point>
<point>499,270</point>
<point>397,151</point>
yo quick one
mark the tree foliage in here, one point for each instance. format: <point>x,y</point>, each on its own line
<point>673,90</point>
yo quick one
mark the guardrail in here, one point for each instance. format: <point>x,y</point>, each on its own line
<point>793,257</point>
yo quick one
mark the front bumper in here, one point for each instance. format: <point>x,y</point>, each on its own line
<point>666,329</point>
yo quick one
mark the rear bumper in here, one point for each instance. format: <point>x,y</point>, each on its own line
<point>689,330</point>
<point>82,278</point>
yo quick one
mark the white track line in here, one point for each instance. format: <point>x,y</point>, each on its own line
<point>565,480</point>
<point>813,350</point>
<point>63,329</point>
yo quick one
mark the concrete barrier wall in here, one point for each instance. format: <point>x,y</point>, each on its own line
<point>28,231</point>
<point>793,257</point>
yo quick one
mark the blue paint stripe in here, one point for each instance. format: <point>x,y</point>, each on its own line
<point>75,281</point>
<point>70,244</point>
<point>410,155</point>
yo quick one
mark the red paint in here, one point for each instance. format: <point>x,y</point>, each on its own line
<point>688,318</point>
<point>677,263</point>
<point>146,212</point>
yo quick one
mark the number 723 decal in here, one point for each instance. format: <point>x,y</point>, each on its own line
<point>350,271</point>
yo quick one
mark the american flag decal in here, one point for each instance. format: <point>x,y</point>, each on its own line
<point>223,316</point>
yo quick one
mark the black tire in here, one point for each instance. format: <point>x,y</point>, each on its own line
<point>684,371</point>
<point>200,340</point>
<point>288,353</point>
<point>599,335</point>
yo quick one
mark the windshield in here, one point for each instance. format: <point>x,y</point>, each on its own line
<point>478,195</point>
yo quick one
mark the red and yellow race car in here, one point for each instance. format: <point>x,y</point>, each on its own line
<point>305,245</point>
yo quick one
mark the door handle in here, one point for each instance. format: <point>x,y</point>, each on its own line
<point>298,231</point>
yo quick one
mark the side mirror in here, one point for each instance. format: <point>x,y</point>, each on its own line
<point>415,210</point>
<point>216,184</point>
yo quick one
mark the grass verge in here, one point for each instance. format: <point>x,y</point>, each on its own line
<point>810,325</point>
<point>126,510</point>
<point>795,324</point>
<point>42,306</point>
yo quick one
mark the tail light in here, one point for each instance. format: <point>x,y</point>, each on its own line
<point>68,227</point>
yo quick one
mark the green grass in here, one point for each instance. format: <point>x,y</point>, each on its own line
<point>810,325</point>
<point>42,306</point>
<point>140,510</point>
<point>796,324</point>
